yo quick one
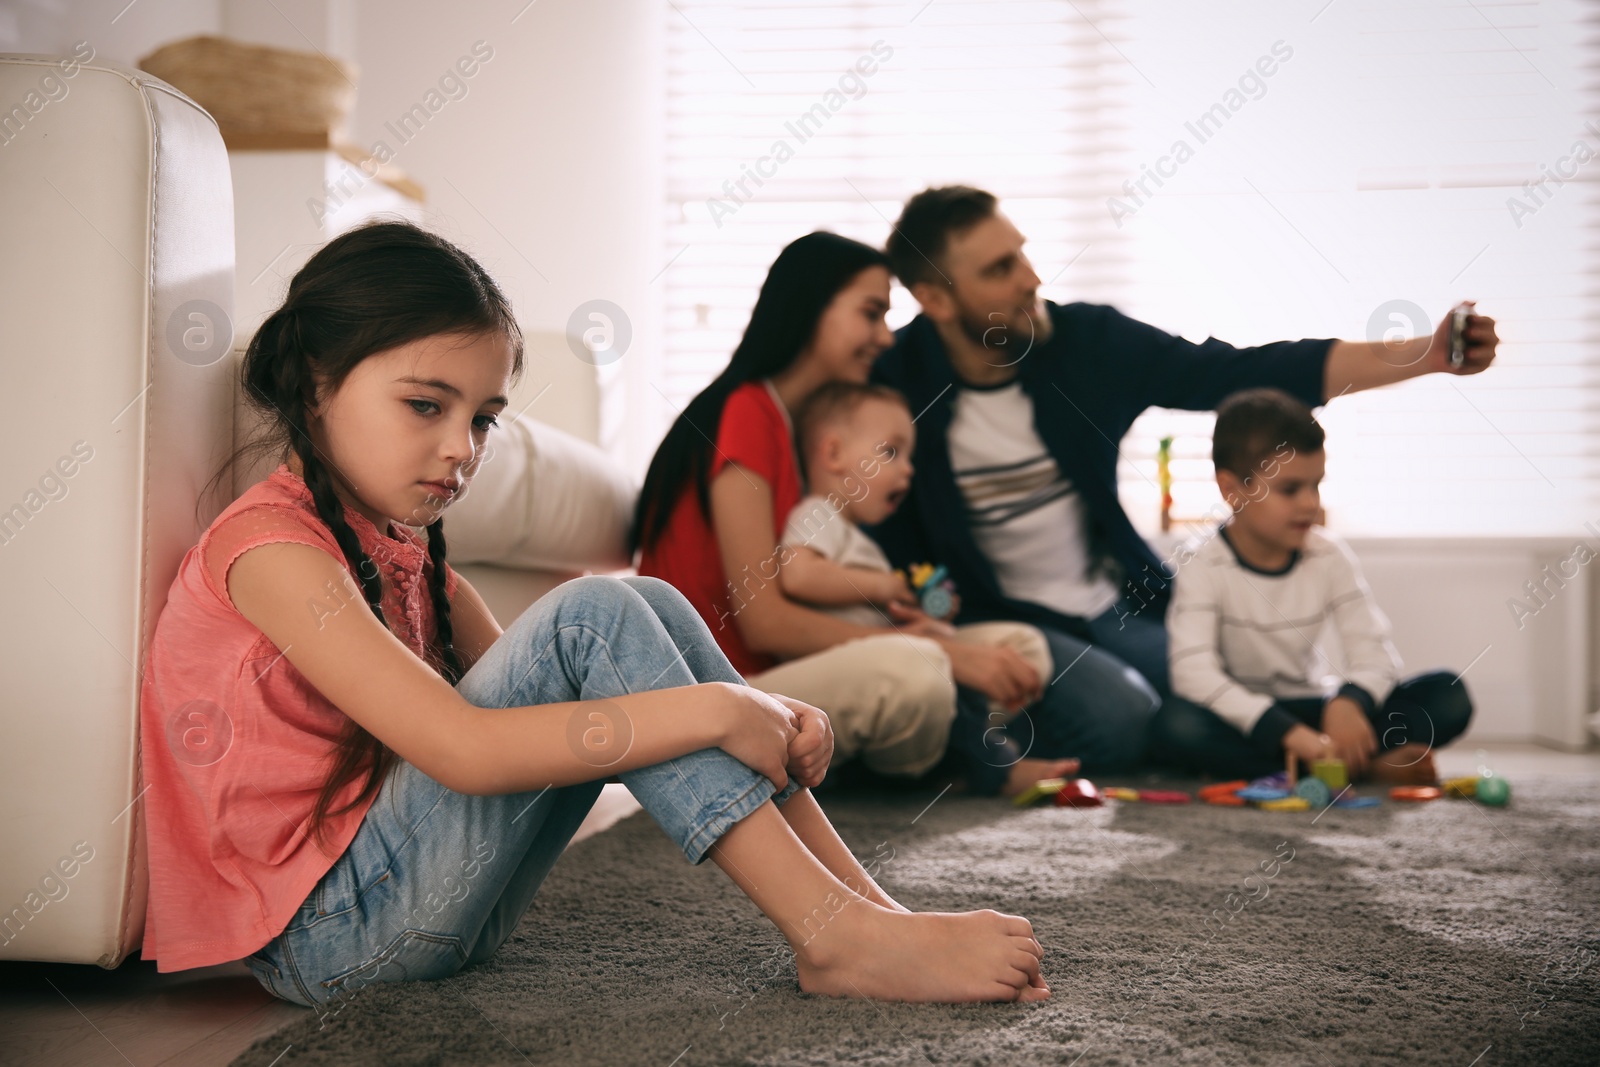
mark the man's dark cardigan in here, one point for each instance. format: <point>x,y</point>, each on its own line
<point>1098,372</point>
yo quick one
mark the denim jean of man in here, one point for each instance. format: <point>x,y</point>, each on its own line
<point>434,880</point>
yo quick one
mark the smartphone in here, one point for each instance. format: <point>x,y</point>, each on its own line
<point>1458,334</point>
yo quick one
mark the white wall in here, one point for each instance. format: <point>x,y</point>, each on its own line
<point>116,31</point>
<point>548,168</point>
<point>1450,601</point>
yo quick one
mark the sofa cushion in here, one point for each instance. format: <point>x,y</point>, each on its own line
<point>543,499</point>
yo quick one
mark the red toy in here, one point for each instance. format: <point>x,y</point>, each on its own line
<point>1079,793</point>
<point>1163,796</point>
<point>1415,792</point>
<point>1222,793</point>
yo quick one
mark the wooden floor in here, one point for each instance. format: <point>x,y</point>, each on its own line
<point>76,1016</point>
<point>66,1015</point>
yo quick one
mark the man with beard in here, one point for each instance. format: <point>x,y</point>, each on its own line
<point>1021,403</point>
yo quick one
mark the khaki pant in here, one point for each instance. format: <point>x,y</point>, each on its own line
<point>891,698</point>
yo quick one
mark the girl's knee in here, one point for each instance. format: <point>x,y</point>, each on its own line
<point>665,599</point>
<point>564,622</point>
<point>650,587</point>
<point>596,597</point>
<point>595,588</point>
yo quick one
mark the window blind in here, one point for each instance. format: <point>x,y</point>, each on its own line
<point>1381,173</point>
<point>1350,170</point>
<point>1021,98</point>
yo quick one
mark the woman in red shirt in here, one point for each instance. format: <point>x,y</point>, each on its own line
<point>722,484</point>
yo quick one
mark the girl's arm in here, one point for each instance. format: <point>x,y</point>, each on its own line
<point>367,673</point>
<point>741,519</point>
<point>475,625</point>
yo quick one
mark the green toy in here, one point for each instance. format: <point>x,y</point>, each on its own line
<point>1493,790</point>
<point>1315,791</point>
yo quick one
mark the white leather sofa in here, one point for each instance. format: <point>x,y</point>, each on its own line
<point>116,289</point>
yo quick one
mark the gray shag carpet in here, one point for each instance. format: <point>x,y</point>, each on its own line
<point>1442,933</point>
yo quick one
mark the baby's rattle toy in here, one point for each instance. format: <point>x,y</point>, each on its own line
<point>934,588</point>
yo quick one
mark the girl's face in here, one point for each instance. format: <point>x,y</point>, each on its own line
<point>408,428</point>
<point>852,332</point>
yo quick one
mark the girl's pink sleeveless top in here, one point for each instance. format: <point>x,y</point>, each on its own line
<point>235,743</point>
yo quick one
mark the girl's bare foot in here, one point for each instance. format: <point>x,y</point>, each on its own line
<point>1410,764</point>
<point>864,950</point>
<point>1025,772</point>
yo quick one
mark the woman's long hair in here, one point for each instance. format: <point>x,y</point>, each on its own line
<point>802,282</point>
<point>367,291</point>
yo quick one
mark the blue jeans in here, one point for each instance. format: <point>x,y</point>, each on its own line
<point>434,880</point>
<point>1099,702</point>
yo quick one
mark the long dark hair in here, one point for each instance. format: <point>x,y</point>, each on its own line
<point>802,282</point>
<point>372,289</point>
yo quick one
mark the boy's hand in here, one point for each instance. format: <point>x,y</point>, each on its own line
<point>811,750</point>
<point>1307,743</point>
<point>1353,737</point>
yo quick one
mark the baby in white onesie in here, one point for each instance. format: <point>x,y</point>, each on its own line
<point>856,441</point>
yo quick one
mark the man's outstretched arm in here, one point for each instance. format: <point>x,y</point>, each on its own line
<point>1355,365</point>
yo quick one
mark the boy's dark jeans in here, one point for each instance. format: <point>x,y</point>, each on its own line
<point>1430,709</point>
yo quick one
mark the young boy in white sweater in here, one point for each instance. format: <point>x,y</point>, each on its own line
<point>856,442</point>
<point>1249,611</point>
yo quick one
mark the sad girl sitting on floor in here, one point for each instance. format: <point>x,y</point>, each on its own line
<point>383,735</point>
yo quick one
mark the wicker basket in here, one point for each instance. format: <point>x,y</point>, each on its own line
<point>261,97</point>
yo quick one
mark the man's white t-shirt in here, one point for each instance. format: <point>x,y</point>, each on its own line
<point>1027,518</point>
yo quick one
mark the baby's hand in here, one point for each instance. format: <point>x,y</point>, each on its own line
<point>892,588</point>
<point>811,750</point>
<point>911,619</point>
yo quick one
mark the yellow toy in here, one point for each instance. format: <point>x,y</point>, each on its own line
<point>1332,772</point>
<point>1044,787</point>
